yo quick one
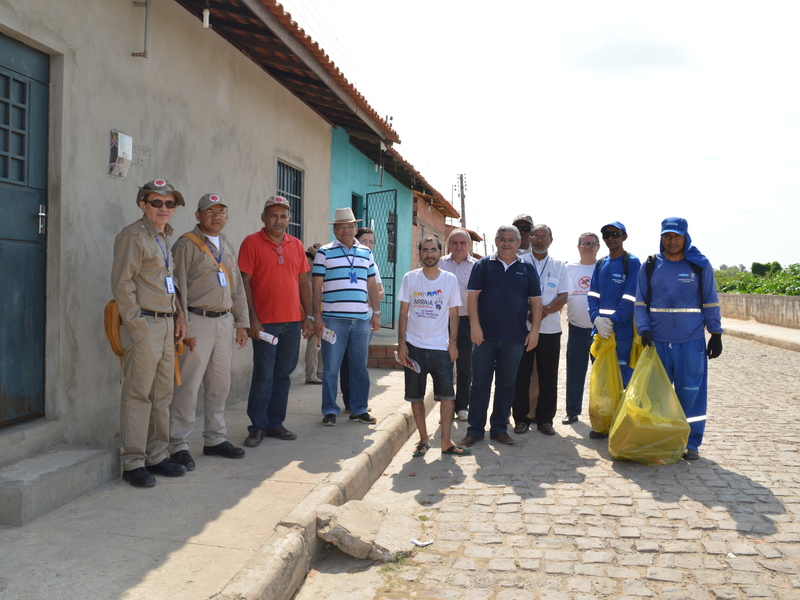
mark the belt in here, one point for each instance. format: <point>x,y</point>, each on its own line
<point>152,313</point>
<point>208,313</point>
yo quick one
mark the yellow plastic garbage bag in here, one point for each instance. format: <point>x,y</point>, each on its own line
<point>650,426</point>
<point>636,348</point>
<point>605,383</point>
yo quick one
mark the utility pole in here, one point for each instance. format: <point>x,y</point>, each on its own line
<point>462,191</point>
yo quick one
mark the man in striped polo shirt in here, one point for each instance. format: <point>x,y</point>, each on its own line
<point>346,303</point>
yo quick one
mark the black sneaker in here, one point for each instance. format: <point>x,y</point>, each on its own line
<point>364,418</point>
<point>281,433</point>
<point>254,439</point>
<point>166,468</point>
<point>140,477</point>
<point>182,457</point>
<point>691,454</point>
<point>329,420</point>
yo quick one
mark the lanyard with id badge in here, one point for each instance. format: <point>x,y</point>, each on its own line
<point>168,279</point>
<point>223,280</point>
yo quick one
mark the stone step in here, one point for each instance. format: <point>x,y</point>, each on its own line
<point>40,483</point>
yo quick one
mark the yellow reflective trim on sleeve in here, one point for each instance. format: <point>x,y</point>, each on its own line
<point>606,311</point>
<point>629,297</point>
<point>712,305</point>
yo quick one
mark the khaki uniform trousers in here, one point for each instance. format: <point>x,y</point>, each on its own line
<point>148,368</point>
<point>313,359</point>
<point>210,364</point>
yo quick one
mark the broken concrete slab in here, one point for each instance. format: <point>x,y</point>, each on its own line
<point>366,531</point>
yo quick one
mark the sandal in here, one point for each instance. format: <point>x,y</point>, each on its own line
<point>422,449</point>
<point>457,449</point>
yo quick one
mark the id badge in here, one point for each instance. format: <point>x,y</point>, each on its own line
<point>223,281</point>
<point>170,285</point>
<point>353,277</point>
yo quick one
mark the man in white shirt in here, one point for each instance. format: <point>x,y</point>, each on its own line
<point>580,325</point>
<point>428,334</point>
<point>460,262</point>
<point>554,283</point>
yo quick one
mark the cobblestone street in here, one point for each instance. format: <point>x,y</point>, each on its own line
<point>554,518</point>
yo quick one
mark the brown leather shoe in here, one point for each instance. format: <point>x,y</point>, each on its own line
<point>470,440</point>
<point>502,438</point>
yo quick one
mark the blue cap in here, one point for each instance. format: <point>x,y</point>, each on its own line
<point>616,224</point>
<point>674,225</point>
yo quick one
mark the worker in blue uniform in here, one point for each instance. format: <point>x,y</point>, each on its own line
<point>676,301</point>
<point>612,294</point>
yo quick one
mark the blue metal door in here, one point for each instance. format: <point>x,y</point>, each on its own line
<point>24,75</point>
<point>381,215</point>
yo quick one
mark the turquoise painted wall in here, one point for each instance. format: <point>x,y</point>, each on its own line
<point>353,173</point>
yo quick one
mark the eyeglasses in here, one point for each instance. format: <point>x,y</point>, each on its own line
<point>208,211</point>
<point>524,228</point>
<point>159,203</point>
<point>506,240</point>
<point>535,238</point>
<point>345,226</point>
<point>612,234</point>
<point>279,250</point>
<point>429,251</point>
<point>589,244</point>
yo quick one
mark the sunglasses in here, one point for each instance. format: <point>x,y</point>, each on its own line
<point>612,234</point>
<point>524,228</point>
<point>279,250</point>
<point>160,203</point>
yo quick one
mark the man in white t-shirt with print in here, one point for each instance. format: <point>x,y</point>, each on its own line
<point>580,325</point>
<point>428,335</point>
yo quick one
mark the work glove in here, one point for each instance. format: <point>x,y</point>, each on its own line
<point>714,348</point>
<point>604,326</point>
<point>647,338</point>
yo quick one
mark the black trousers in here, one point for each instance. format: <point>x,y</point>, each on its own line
<point>546,354</point>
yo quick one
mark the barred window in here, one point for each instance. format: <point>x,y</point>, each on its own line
<point>290,186</point>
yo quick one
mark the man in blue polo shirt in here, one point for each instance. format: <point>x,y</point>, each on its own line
<point>501,292</point>
<point>344,289</point>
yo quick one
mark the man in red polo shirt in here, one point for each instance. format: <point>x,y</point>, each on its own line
<point>274,266</point>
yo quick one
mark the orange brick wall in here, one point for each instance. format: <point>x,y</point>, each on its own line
<point>427,221</point>
<point>382,357</point>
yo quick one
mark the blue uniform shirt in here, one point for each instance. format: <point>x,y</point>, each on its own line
<point>612,294</point>
<point>676,315</point>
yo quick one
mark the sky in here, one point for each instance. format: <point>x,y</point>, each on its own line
<point>580,113</point>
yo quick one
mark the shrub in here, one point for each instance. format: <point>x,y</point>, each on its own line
<point>783,282</point>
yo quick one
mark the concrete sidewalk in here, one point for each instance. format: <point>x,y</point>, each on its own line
<point>780,337</point>
<point>229,529</point>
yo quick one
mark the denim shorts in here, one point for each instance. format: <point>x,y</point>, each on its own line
<point>435,362</point>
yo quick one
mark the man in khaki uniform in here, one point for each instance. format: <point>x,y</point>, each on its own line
<point>144,289</point>
<point>213,300</point>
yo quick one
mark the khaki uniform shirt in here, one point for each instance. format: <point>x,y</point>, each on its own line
<point>139,272</point>
<point>197,278</point>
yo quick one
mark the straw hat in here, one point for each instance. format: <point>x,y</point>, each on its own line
<point>344,215</point>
